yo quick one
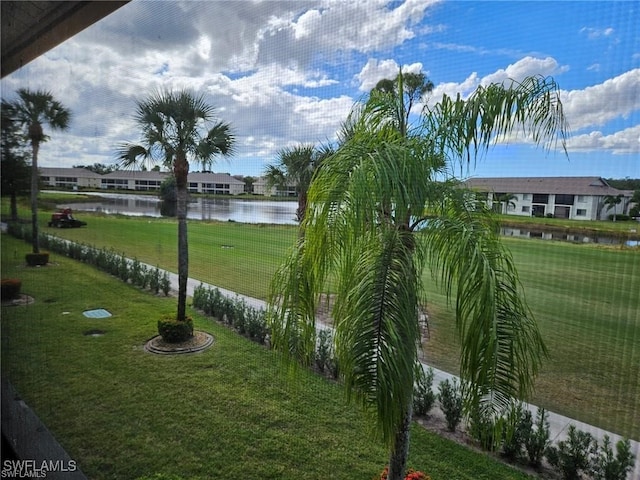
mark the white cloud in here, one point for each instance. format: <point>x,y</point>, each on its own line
<point>599,104</point>
<point>375,70</point>
<point>528,66</point>
<point>626,141</point>
<point>594,33</point>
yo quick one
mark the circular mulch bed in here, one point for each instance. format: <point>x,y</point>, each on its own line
<point>16,302</point>
<point>198,343</point>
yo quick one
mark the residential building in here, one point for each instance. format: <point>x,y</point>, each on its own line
<point>138,180</point>
<point>578,198</point>
<point>261,187</point>
<point>69,178</point>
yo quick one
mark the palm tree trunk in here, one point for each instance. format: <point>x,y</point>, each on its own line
<point>400,449</point>
<point>180,170</point>
<point>35,241</point>
<point>14,206</point>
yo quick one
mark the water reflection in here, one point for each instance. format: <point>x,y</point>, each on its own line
<point>244,211</point>
<point>565,236</point>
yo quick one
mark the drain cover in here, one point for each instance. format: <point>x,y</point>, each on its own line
<point>97,313</point>
<point>94,333</point>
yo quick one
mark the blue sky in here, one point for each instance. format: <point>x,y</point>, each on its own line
<point>285,73</point>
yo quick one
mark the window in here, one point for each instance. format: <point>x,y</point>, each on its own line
<point>526,209</point>
<point>526,196</point>
<point>581,212</point>
<point>564,199</point>
<point>581,199</point>
<point>540,198</point>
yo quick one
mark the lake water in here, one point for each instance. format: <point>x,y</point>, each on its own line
<point>236,210</point>
<point>271,212</point>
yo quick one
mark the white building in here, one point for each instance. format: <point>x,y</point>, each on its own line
<point>577,198</point>
<point>76,178</point>
<point>261,187</point>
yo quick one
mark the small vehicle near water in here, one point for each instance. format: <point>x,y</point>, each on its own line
<point>64,219</point>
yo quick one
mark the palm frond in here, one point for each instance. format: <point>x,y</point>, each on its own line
<point>502,349</point>
<point>376,326</point>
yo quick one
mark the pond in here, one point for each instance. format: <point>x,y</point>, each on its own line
<point>277,212</point>
<point>235,210</point>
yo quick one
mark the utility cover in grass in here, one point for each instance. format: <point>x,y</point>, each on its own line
<point>97,313</point>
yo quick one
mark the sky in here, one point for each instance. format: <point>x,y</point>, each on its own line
<point>284,73</point>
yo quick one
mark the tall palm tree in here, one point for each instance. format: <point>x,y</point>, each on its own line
<point>612,201</point>
<point>32,110</point>
<point>505,200</point>
<point>15,169</point>
<point>296,165</point>
<point>378,213</point>
<point>175,130</point>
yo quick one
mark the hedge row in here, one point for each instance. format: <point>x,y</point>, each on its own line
<point>108,261</point>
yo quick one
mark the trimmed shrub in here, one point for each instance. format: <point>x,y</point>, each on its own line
<point>37,259</point>
<point>536,440</point>
<point>571,458</point>
<point>10,288</point>
<point>606,466</point>
<point>424,397</point>
<point>450,397</point>
<point>174,331</point>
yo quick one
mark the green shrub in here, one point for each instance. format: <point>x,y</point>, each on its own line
<point>10,288</point>
<point>324,350</point>
<point>486,427</point>
<point>571,458</point>
<point>450,397</point>
<point>174,331</point>
<point>37,259</point>
<point>606,466</point>
<point>515,430</point>
<point>536,441</point>
<point>165,284</point>
<point>423,395</point>
<point>620,217</point>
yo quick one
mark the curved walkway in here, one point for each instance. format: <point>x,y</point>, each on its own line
<point>558,424</point>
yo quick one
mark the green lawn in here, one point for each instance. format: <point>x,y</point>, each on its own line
<point>583,296</point>
<point>228,412</point>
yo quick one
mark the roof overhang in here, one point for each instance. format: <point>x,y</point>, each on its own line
<point>31,28</point>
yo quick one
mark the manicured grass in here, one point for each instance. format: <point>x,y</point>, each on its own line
<point>584,298</point>
<point>229,412</point>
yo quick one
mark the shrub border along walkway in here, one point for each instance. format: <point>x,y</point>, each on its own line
<point>558,424</point>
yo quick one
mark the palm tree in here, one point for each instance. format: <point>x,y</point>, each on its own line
<point>32,110</point>
<point>296,165</point>
<point>505,200</point>
<point>376,215</point>
<point>16,171</point>
<point>613,201</point>
<point>175,130</point>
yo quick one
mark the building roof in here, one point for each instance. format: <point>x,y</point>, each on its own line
<point>67,172</point>
<point>214,178</point>
<point>544,185</point>
<point>137,175</point>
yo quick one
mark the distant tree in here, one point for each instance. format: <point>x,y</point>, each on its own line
<point>635,201</point>
<point>168,192</point>
<point>612,201</point>
<point>176,128</point>
<point>505,201</point>
<point>414,87</point>
<point>248,183</point>
<point>99,168</point>
<point>296,166</point>
<point>32,110</point>
<point>625,183</point>
<point>16,171</point>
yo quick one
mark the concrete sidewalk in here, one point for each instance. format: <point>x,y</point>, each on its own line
<point>558,424</point>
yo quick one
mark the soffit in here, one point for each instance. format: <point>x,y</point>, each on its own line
<point>31,28</point>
